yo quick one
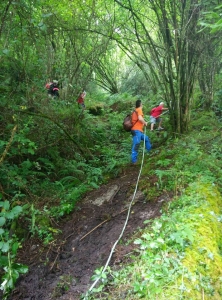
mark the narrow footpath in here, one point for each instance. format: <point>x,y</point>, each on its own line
<point>63,270</point>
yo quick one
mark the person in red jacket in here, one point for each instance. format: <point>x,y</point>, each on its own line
<point>81,99</point>
<point>155,116</point>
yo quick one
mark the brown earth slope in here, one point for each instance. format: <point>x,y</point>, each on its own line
<point>62,270</point>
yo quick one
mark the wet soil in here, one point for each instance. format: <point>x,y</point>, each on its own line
<point>63,270</point>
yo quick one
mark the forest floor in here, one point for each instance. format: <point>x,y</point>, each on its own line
<point>63,270</point>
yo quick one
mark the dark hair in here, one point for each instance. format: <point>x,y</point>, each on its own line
<point>138,103</point>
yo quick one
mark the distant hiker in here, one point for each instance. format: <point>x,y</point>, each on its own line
<point>81,100</point>
<point>155,116</point>
<point>137,132</point>
<point>47,86</point>
<point>53,89</point>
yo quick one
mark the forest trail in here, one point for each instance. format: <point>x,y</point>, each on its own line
<point>63,270</point>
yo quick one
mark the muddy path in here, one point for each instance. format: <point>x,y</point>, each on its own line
<point>63,270</point>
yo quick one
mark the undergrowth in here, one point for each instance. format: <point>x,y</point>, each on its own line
<point>53,155</point>
<point>177,256</point>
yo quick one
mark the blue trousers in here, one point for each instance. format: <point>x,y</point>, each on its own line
<point>138,136</point>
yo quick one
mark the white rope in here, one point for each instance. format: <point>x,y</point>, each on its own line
<point>124,227</point>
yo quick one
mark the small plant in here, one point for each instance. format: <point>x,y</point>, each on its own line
<point>62,286</point>
<point>40,225</point>
<point>8,248</point>
<point>101,277</point>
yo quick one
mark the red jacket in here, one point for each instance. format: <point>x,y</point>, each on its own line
<point>81,98</point>
<point>156,111</point>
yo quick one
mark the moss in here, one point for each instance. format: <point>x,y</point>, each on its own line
<point>42,221</point>
<point>96,110</point>
<point>203,260</point>
<point>19,228</point>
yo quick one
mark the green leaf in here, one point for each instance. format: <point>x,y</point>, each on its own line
<point>10,283</point>
<point>9,215</point>
<point>5,204</point>
<point>138,241</point>
<point>3,261</point>
<point>20,268</point>
<point>147,221</point>
<point>15,247</point>
<point>146,236</point>
<point>17,210</point>
<point>153,245</point>
<point>5,51</point>
<point>5,247</point>
<point>93,184</point>
<point>2,221</point>
<point>160,240</point>
<point>31,151</point>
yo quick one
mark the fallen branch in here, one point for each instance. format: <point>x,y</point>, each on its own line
<point>102,223</point>
<point>8,145</point>
<point>94,229</point>
<point>58,252</point>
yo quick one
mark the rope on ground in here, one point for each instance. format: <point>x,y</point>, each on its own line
<point>124,227</point>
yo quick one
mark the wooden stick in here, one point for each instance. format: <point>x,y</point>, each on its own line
<point>102,223</point>
<point>93,229</point>
<point>58,252</point>
<point>8,145</point>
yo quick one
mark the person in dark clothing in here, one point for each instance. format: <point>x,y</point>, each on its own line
<point>53,90</point>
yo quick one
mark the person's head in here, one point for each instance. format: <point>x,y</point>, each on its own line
<point>138,103</point>
<point>161,103</point>
<point>55,81</point>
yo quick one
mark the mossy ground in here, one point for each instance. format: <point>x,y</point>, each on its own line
<point>202,264</point>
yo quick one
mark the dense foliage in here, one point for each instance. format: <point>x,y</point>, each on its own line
<point>52,152</point>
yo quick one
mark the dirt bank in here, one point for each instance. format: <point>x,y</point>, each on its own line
<point>63,270</point>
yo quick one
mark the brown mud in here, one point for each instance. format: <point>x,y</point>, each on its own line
<point>63,270</point>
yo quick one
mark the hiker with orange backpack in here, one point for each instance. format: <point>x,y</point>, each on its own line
<point>137,131</point>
